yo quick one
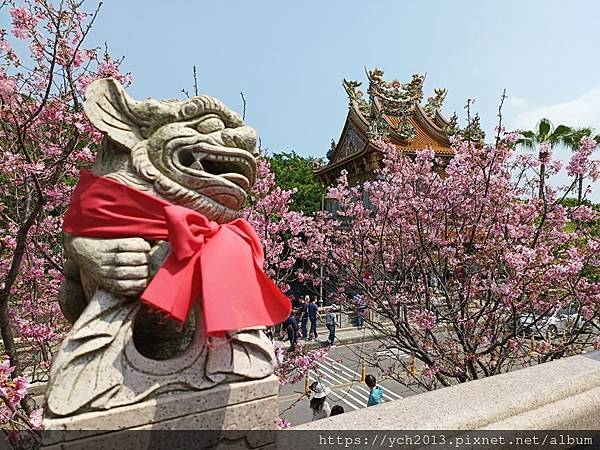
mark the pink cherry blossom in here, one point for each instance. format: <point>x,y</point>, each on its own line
<point>23,22</point>
<point>469,253</point>
<point>282,423</point>
<point>46,141</point>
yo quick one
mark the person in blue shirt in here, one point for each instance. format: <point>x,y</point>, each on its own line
<point>313,310</point>
<point>290,325</point>
<point>376,393</point>
<point>304,318</point>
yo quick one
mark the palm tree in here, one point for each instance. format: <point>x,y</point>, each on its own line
<point>545,133</point>
<point>572,142</point>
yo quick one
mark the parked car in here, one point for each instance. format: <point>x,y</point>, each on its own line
<point>560,321</point>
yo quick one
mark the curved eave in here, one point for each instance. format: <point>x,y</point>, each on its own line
<point>440,119</point>
<point>358,121</point>
<point>435,130</point>
<point>430,126</point>
<point>343,162</point>
<point>356,113</point>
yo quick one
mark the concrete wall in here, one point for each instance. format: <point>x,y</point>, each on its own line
<point>246,405</point>
<point>559,395</point>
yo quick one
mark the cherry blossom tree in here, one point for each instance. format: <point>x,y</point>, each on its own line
<point>45,140</point>
<point>291,241</point>
<point>457,269</point>
<point>289,237</point>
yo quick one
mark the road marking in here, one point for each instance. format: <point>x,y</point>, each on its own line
<point>395,353</point>
<point>328,367</point>
<point>391,393</point>
<point>329,374</point>
<point>344,398</point>
<point>328,383</point>
<point>365,391</point>
<point>357,389</point>
<point>348,369</point>
<point>347,394</point>
<point>386,390</point>
<point>345,372</point>
<point>334,372</point>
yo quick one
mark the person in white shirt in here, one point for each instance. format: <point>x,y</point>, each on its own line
<point>319,405</point>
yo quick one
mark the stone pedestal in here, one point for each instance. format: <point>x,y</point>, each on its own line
<point>242,406</point>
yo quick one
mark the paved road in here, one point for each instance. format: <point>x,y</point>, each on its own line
<point>340,372</point>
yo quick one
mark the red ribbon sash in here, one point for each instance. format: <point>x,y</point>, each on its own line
<point>220,263</point>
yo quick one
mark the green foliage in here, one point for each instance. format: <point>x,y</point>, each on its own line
<point>573,137</point>
<point>544,127</point>
<point>572,202</point>
<point>293,171</point>
<point>546,132</point>
<point>562,130</point>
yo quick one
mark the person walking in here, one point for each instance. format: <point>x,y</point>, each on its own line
<point>359,309</point>
<point>290,326</point>
<point>313,311</point>
<point>330,323</point>
<point>318,404</point>
<point>376,393</point>
<point>304,317</point>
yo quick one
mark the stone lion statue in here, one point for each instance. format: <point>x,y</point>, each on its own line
<point>194,153</point>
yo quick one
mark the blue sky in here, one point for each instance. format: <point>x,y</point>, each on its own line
<point>289,57</point>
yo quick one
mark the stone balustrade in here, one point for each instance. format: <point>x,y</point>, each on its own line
<point>347,317</point>
<point>559,395</point>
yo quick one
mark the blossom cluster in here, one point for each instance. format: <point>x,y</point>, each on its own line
<point>466,245</point>
<point>12,391</point>
<point>289,238</point>
<point>45,140</point>
<point>581,162</point>
<point>294,366</point>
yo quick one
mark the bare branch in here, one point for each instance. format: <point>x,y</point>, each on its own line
<point>499,131</point>
<point>244,102</point>
<point>195,82</point>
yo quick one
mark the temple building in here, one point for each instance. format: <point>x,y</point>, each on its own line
<point>395,112</point>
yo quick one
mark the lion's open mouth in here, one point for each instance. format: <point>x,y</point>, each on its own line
<point>232,165</point>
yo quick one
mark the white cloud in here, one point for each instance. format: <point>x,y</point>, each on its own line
<point>580,112</point>
<point>516,102</point>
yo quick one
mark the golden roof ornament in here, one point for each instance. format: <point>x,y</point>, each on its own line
<point>435,102</point>
<point>355,95</point>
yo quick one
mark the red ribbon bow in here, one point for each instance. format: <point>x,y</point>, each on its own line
<point>220,263</point>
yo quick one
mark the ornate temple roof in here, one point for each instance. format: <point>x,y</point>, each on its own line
<point>393,111</point>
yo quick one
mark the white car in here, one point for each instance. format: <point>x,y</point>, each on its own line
<point>550,325</point>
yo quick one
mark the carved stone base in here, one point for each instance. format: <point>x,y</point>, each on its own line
<point>249,405</point>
